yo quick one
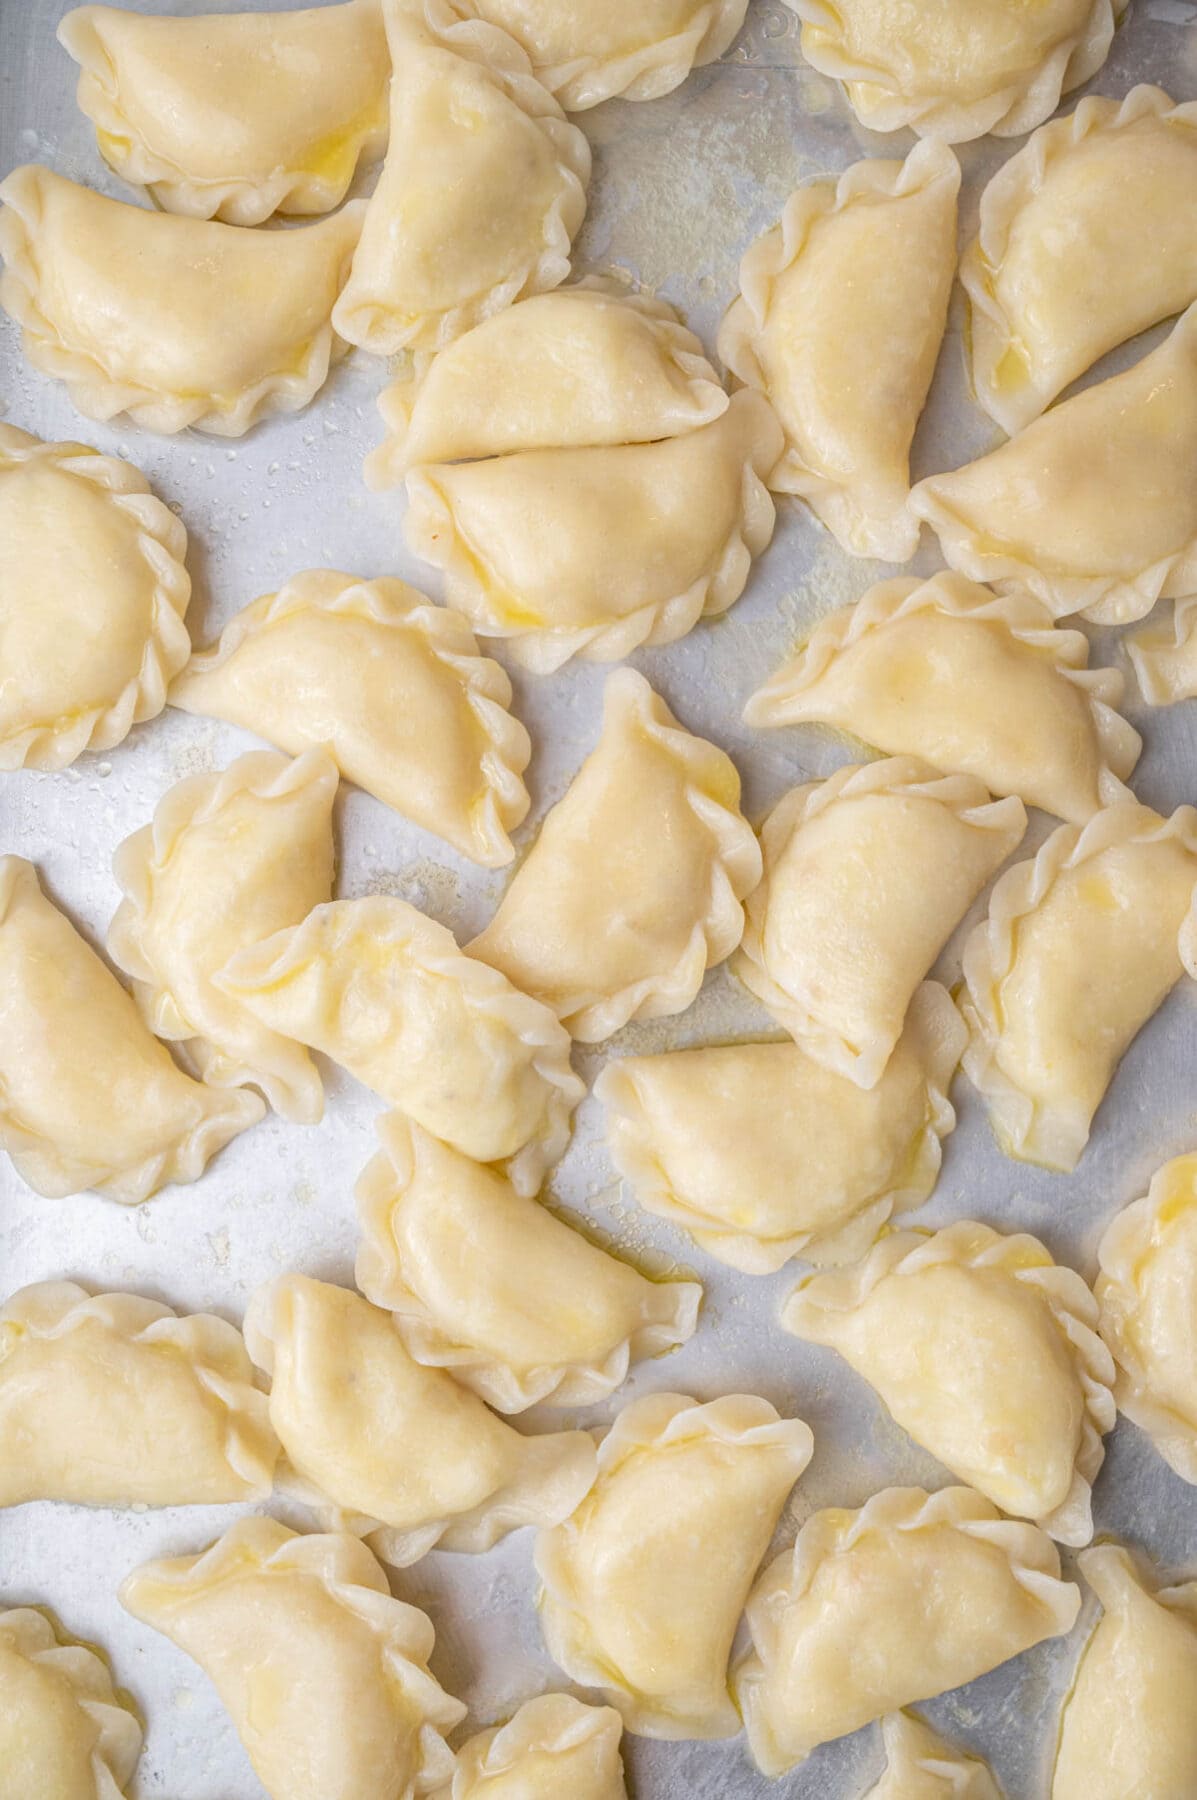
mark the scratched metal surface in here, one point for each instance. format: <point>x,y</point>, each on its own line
<point>681,186</point>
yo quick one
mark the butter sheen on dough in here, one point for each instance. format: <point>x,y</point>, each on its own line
<point>64,1731</point>
<point>553,1747</point>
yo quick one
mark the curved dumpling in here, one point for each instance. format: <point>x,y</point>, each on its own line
<point>235,116</point>
<point>987,1353</point>
<point>483,187</point>
<point>385,991</point>
<point>867,874</point>
<point>597,551</point>
<point>228,858</point>
<point>634,887</point>
<point>325,1676</point>
<point>64,1730</point>
<point>88,1099</point>
<point>911,1595</point>
<point>762,1154</point>
<point>554,1747</point>
<point>92,600</point>
<point>1081,945</point>
<point>1091,507</point>
<point>956,69</point>
<point>970,681</point>
<point>392,1450</point>
<point>645,1584</point>
<point>1165,656</point>
<point>1147,1292</point>
<point>839,321</point>
<point>113,1400</point>
<point>1086,238</point>
<point>920,1766</point>
<point>391,686</point>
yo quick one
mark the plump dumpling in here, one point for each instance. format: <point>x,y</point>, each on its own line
<point>1147,1291</point>
<point>238,115</point>
<point>324,1675</point>
<point>392,1450</point>
<point>645,1584</point>
<point>483,187</point>
<point>64,1730</point>
<point>88,1098</point>
<point>841,313</point>
<point>761,1154</point>
<point>987,1353</point>
<point>871,1610</point>
<point>1127,1728</point>
<point>75,677</point>
<point>956,69</point>
<point>596,551</point>
<point>634,887</point>
<point>1087,237</point>
<point>1081,945</point>
<point>920,1766</point>
<point>970,681</point>
<point>867,874</point>
<point>554,1747</point>
<point>113,1400</point>
<point>1164,656</point>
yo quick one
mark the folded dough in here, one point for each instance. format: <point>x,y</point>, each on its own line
<point>634,887</point>
<point>88,1099</point>
<point>911,1595</point>
<point>113,1400</point>
<point>1165,656</point>
<point>1147,1291</point>
<point>969,681</point>
<point>235,116</point>
<point>645,1584</point>
<point>77,526</point>
<point>839,320</point>
<point>1081,945</point>
<point>987,1353</point>
<point>64,1730</point>
<point>553,1749</point>
<point>1127,1726</point>
<point>391,686</point>
<point>762,1154</point>
<point>920,1766</point>
<point>845,923</point>
<point>483,187</point>
<point>1086,238</point>
<point>325,1676</point>
<point>390,1450</point>
<point>956,69</point>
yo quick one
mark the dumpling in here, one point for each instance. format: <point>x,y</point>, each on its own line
<point>391,1450</point>
<point>235,116</point>
<point>174,321</point>
<point>64,1729</point>
<point>324,1675</point>
<point>970,681</point>
<point>77,526</point>
<point>391,686</point>
<point>645,1584</point>
<point>871,1610</point>
<point>596,551</point>
<point>1086,238</point>
<point>987,1353</point>
<point>486,1282</point>
<point>385,992</point>
<point>1091,507</point>
<point>1127,1726</point>
<point>1082,944</point>
<point>920,1766</point>
<point>481,193</point>
<point>229,858</point>
<point>554,1747</point>
<point>88,1099</point>
<point>1147,1291</point>
<point>841,313</point>
<point>1165,656</point>
<point>113,1400</point>
<point>762,1154</point>
<point>956,69</point>
<point>867,874</point>
<point>634,887</point>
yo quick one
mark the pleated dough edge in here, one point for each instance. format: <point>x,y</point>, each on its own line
<point>119,1735</point>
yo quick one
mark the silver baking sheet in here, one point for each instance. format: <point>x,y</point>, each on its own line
<point>681,185</point>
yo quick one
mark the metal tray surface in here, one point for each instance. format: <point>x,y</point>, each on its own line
<point>681,185</point>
